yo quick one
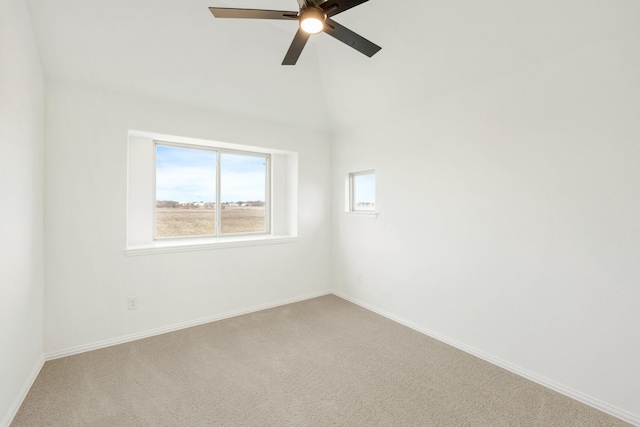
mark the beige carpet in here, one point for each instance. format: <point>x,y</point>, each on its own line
<point>321,362</point>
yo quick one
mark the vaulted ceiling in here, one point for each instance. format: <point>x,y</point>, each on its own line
<point>176,51</point>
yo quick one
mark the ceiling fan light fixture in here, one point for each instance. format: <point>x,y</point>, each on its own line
<point>312,21</point>
<point>313,16</point>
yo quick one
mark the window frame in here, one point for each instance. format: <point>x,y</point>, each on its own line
<point>141,196</point>
<point>218,211</point>
<point>351,207</point>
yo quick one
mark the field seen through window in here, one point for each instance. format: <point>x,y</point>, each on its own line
<point>201,221</point>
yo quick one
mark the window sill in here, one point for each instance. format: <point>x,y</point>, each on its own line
<point>188,245</point>
<point>373,215</point>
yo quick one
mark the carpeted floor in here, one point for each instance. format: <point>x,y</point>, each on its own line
<point>321,362</point>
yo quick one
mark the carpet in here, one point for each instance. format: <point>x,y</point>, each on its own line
<point>320,362</point>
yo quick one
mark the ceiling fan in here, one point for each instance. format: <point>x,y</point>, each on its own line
<point>314,17</point>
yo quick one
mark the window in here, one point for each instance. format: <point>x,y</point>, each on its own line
<point>243,192</point>
<point>185,202</point>
<point>187,194</point>
<point>192,182</point>
<point>362,191</point>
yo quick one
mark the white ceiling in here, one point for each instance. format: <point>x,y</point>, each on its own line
<point>176,50</point>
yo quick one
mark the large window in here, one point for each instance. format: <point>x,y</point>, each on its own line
<point>186,194</point>
<point>204,191</point>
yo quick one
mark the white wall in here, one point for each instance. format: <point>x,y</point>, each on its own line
<point>21,146</point>
<point>88,275</point>
<point>509,219</point>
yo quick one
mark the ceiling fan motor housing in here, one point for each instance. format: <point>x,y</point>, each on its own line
<point>315,15</point>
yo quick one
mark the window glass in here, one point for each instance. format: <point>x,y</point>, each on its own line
<point>185,192</point>
<point>243,193</point>
<point>190,188</point>
<point>363,191</point>
<point>175,198</point>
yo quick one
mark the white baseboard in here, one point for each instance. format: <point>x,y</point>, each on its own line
<point>13,410</point>
<point>163,330</point>
<point>567,391</point>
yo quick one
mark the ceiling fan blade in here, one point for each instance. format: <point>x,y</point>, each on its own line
<point>299,41</point>
<point>350,38</point>
<point>224,12</point>
<point>334,7</point>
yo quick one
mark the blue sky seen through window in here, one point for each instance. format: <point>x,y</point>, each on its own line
<point>189,175</point>
<point>243,178</point>
<point>185,175</point>
<point>364,189</point>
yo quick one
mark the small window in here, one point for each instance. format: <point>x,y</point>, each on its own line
<point>192,182</point>
<point>362,191</point>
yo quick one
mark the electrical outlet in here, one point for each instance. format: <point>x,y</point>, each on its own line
<point>359,278</point>
<point>132,303</point>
